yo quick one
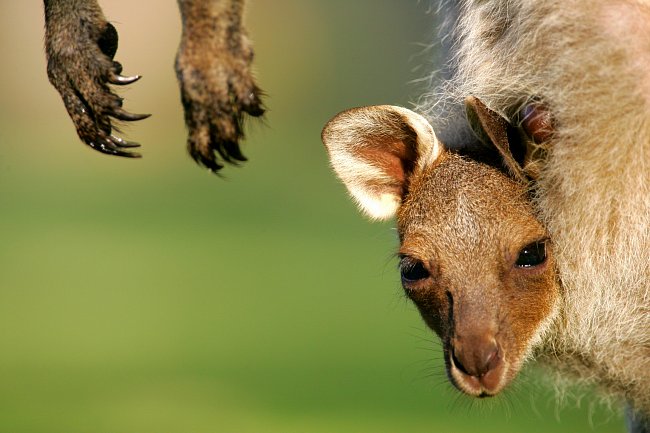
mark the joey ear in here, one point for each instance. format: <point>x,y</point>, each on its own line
<point>374,151</point>
<point>491,128</point>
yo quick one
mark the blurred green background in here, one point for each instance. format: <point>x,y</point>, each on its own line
<point>151,296</point>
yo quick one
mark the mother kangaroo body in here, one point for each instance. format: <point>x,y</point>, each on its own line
<point>588,64</point>
<point>572,77</point>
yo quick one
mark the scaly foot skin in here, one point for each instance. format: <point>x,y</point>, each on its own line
<point>80,46</point>
<point>215,78</point>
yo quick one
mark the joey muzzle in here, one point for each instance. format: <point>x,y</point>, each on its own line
<point>476,364</point>
<point>475,351</point>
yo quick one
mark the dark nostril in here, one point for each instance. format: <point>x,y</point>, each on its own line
<point>459,365</point>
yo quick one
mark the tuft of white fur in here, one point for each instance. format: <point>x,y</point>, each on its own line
<point>589,62</point>
<point>357,174</point>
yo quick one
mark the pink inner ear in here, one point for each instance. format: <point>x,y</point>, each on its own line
<point>395,158</point>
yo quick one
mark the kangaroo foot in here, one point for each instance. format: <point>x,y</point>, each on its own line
<point>80,46</point>
<point>216,82</point>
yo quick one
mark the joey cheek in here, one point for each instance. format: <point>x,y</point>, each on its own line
<point>531,300</point>
<point>433,308</point>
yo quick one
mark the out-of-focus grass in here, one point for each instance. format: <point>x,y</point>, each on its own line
<point>150,296</point>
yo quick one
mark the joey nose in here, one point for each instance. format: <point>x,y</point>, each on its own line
<point>476,356</point>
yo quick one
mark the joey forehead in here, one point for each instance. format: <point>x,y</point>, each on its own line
<point>459,207</point>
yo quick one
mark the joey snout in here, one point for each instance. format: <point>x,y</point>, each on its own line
<point>475,348</point>
<point>477,343</point>
<point>476,363</point>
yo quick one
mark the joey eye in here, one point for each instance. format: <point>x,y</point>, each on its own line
<point>532,255</point>
<point>412,270</point>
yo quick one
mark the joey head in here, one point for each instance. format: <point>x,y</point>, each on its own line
<point>474,258</point>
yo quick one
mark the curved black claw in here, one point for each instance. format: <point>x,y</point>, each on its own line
<point>122,80</point>
<point>208,161</point>
<point>229,151</point>
<point>113,146</point>
<point>123,143</point>
<point>120,114</point>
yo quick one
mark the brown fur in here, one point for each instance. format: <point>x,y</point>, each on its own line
<point>465,223</point>
<point>80,45</point>
<point>588,62</point>
<point>468,222</point>
<point>212,65</point>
